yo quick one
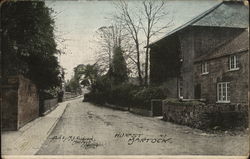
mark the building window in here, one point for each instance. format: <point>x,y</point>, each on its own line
<point>204,68</point>
<point>233,62</point>
<point>223,93</point>
<point>181,87</point>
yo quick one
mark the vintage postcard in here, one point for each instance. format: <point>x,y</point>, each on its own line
<point>124,79</point>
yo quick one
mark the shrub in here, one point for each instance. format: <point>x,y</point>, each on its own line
<point>95,97</point>
<point>49,94</point>
<point>126,94</point>
<point>99,91</point>
<point>142,98</point>
<point>101,84</point>
<point>122,94</point>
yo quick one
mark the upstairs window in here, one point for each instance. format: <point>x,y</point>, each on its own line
<point>223,93</point>
<point>204,68</point>
<point>233,62</point>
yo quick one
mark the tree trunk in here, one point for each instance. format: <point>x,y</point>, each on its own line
<point>146,65</point>
<point>147,51</point>
<point>139,64</point>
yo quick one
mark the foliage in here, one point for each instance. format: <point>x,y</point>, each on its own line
<point>143,97</point>
<point>122,95</point>
<point>119,72</point>
<point>50,93</point>
<point>28,43</point>
<point>99,91</point>
<point>84,75</point>
<point>73,86</point>
<point>102,83</point>
<point>96,97</point>
<point>91,73</point>
<point>79,71</point>
<point>127,95</point>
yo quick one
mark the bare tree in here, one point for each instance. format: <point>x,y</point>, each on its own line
<point>153,13</point>
<point>109,38</point>
<point>104,41</point>
<point>124,16</point>
<point>147,19</point>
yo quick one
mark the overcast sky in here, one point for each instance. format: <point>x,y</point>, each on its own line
<point>77,21</point>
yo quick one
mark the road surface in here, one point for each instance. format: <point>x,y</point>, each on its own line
<point>87,129</point>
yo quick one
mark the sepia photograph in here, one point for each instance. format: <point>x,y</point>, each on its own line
<point>124,79</point>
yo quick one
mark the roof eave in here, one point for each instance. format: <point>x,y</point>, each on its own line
<point>186,24</point>
<point>216,57</point>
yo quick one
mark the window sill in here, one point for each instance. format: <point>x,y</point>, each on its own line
<point>205,73</point>
<point>234,69</point>
<point>221,102</point>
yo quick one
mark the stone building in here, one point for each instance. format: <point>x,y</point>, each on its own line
<point>206,43</point>
<point>222,74</point>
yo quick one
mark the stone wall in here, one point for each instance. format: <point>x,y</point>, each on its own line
<point>9,104</point>
<point>202,116</point>
<point>155,109</point>
<point>28,101</point>
<point>49,105</point>
<point>20,103</point>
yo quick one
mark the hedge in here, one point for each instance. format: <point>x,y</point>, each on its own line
<point>126,95</point>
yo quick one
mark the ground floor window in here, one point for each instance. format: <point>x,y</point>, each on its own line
<point>223,92</point>
<point>180,87</point>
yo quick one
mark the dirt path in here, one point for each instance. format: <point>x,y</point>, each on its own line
<point>86,129</point>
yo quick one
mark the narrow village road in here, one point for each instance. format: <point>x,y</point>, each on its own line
<point>86,129</point>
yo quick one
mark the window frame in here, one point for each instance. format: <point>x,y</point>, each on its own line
<point>221,91</point>
<point>204,68</point>
<point>180,89</point>
<point>233,63</point>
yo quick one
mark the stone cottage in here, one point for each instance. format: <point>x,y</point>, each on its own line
<point>207,57</point>
<point>221,76</point>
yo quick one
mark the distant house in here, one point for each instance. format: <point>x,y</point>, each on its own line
<point>207,57</point>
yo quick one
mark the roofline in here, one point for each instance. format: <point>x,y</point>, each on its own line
<point>216,57</point>
<point>187,23</point>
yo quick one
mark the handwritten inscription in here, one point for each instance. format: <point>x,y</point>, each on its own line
<point>140,138</point>
<point>84,142</point>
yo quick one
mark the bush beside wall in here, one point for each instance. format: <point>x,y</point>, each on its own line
<point>126,95</point>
